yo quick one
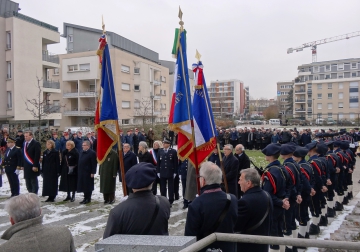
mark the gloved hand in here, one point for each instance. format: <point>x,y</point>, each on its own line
<point>174,175</point>
<point>158,175</point>
<point>17,172</point>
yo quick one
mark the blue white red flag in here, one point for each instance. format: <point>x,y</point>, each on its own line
<point>106,116</point>
<point>180,111</point>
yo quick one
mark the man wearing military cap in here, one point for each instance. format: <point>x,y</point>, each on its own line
<point>20,139</point>
<point>167,169</point>
<point>12,163</point>
<point>149,219</point>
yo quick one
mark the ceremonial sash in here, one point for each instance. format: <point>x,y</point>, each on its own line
<point>291,174</point>
<point>153,156</point>
<point>303,171</point>
<point>26,155</point>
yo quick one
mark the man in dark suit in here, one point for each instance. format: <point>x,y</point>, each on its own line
<point>12,163</point>
<point>244,163</point>
<point>130,160</point>
<point>203,215</point>
<point>167,169</point>
<point>31,164</point>
<point>20,139</point>
<point>231,167</point>
<point>254,211</point>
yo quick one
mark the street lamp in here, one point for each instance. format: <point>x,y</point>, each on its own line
<point>152,109</point>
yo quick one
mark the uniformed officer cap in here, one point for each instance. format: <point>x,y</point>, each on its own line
<point>287,148</point>
<point>10,140</point>
<point>300,152</point>
<point>20,131</point>
<point>344,145</point>
<point>356,128</point>
<point>311,145</point>
<point>322,148</point>
<point>271,149</point>
<point>342,131</point>
<point>329,143</point>
<point>337,143</point>
<point>140,175</point>
<point>167,141</point>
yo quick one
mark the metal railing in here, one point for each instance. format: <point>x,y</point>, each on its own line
<point>300,100</point>
<point>258,239</point>
<point>51,84</point>
<point>52,108</point>
<point>31,20</point>
<point>49,57</point>
<point>300,91</point>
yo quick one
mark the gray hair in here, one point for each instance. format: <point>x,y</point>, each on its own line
<point>239,147</point>
<point>23,207</point>
<point>229,146</point>
<point>211,173</point>
<point>87,143</point>
<point>252,175</point>
<point>28,132</point>
<point>144,145</point>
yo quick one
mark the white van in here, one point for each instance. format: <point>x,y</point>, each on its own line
<point>274,121</point>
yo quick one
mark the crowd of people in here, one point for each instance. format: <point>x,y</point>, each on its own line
<point>237,199</point>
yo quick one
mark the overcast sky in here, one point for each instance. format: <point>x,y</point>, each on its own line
<point>244,40</point>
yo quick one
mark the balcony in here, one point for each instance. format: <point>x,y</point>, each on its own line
<point>300,100</point>
<point>300,91</point>
<point>86,112</point>
<point>52,108</point>
<point>309,110</point>
<point>157,112</point>
<point>309,100</point>
<point>49,57</point>
<point>88,94</point>
<point>71,95</point>
<point>299,110</point>
<point>156,83</point>
<point>303,73</point>
<point>157,97</point>
<point>309,91</point>
<point>51,84</point>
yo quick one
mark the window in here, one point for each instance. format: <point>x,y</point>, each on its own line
<point>329,95</point>
<point>125,69</point>
<point>330,115</point>
<point>136,104</point>
<point>163,79</point>
<point>125,104</point>
<point>329,105</point>
<point>125,86</point>
<point>319,96</point>
<point>8,75</point>
<point>340,75</point>
<point>309,86</point>
<point>354,84</point>
<point>163,106</point>
<point>352,115</point>
<point>91,87</point>
<point>72,68</point>
<point>327,68</point>
<point>327,76</point>
<point>341,85</point>
<point>70,38</point>
<point>341,95</point>
<point>316,69</point>
<point>354,74</point>
<point>341,115</point>
<point>319,86</point>
<point>8,40</point>
<point>163,92</point>
<point>56,71</point>
<point>125,121</point>
<point>354,105</point>
<point>85,67</point>
<point>341,105</point>
<point>354,65</point>
<point>329,85</point>
<point>137,88</point>
<point>316,77</point>
<point>340,66</point>
<point>136,70</point>
<point>319,106</point>
<point>9,100</point>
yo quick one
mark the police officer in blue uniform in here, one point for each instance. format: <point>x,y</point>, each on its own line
<point>167,169</point>
<point>183,167</point>
<point>12,163</point>
<point>274,182</point>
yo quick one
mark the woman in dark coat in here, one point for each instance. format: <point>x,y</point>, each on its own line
<point>50,171</point>
<point>154,153</point>
<point>68,182</point>
<point>144,155</point>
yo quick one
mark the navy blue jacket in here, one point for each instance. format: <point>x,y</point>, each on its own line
<point>231,167</point>
<point>290,164</point>
<point>183,167</point>
<point>167,163</point>
<point>130,160</point>
<point>215,158</point>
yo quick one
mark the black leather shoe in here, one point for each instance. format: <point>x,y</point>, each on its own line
<point>112,202</point>
<point>87,201</point>
<point>331,212</point>
<point>314,229</point>
<point>345,201</point>
<point>339,206</point>
<point>67,198</point>
<point>323,221</point>
<point>82,202</point>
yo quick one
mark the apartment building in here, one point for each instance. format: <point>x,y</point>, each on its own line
<point>283,89</point>
<point>228,98</point>
<point>25,59</point>
<point>328,90</point>
<point>141,83</point>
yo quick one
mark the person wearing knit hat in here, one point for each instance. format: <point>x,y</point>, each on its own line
<point>307,177</point>
<point>149,219</point>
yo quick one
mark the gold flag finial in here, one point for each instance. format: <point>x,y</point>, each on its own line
<point>103,25</point>
<point>197,55</point>
<point>180,16</point>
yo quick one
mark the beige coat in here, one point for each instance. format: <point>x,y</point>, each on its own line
<point>32,235</point>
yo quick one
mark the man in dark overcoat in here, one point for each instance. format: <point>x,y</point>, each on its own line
<point>108,171</point>
<point>231,167</point>
<point>86,172</point>
<point>254,211</point>
<point>31,164</point>
<point>130,160</point>
<point>205,211</point>
<point>128,218</point>
<point>167,169</point>
<point>12,163</point>
<point>244,163</point>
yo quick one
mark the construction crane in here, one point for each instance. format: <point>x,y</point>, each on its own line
<point>314,44</point>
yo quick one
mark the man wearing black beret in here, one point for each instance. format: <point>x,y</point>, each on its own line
<point>142,213</point>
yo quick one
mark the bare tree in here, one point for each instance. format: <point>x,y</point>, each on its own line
<point>271,112</point>
<point>39,107</point>
<point>144,110</point>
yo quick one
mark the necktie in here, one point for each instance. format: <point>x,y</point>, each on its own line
<point>26,145</point>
